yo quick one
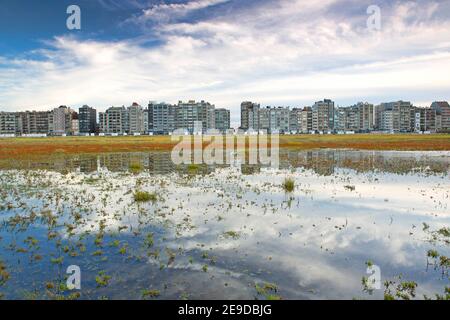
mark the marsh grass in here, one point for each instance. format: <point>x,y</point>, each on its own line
<point>91,181</point>
<point>4,274</point>
<point>193,168</point>
<point>135,167</point>
<point>268,290</point>
<point>232,234</point>
<point>102,279</point>
<point>150,293</point>
<point>288,185</point>
<point>15,148</point>
<point>144,196</point>
<point>399,290</point>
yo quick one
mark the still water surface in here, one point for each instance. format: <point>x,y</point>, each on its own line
<point>228,232</point>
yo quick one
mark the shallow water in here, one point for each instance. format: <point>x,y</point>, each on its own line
<point>228,232</point>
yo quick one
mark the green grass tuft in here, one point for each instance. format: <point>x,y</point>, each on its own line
<point>143,196</point>
<point>135,167</point>
<point>288,185</point>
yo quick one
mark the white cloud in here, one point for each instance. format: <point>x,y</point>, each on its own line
<point>164,13</point>
<point>284,52</point>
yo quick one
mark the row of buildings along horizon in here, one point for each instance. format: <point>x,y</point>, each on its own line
<point>162,119</point>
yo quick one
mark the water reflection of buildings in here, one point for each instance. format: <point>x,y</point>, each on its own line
<point>155,162</point>
<point>323,162</point>
<point>326,162</point>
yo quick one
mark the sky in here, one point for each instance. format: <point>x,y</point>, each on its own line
<point>274,52</point>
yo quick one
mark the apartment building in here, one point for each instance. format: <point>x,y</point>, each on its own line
<point>279,120</point>
<point>63,121</point>
<point>34,122</point>
<point>357,118</point>
<point>403,116</point>
<point>114,120</point>
<point>87,118</point>
<point>135,119</point>
<point>264,119</point>
<point>395,117</point>
<point>161,118</point>
<point>348,119</point>
<point>442,109</point>
<point>366,116</point>
<point>222,119</point>
<point>427,120</point>
<point>250,116</point>
<point>8,123</point>
<point>323,116</point>
<point>306,123</point>
<point>387,121</point>
<point>272,120</point>
<point>295,120</point>
<point>188,113</point>
<point>146,121</point>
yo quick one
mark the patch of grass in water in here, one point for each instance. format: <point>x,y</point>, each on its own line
<point>123,250</point>
<point>91,181</point>
<point>432,254</point>
<point>149,241</point>
<point>57,260</point>
<point>151,293</point>
<point>267,290</point>
<point>4,274</point>
<point>97,253</point>
<point>405,290</point>
<point>445,232</point>
<point>102,279</point>
<point>232,234</point>
<point>350,188</point>
<point>193,168</point>
<point>135,167</point>
<point>143,196</point>
<point>288,185</point>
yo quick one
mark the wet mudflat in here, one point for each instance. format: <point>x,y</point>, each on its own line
<point>140,227</point>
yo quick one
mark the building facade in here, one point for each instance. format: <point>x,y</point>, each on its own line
<point>87,118</point>
<point>279,120</point>
<point>161,118</point>
<point>35,122</point>
<point>396,117</point>
<point>8,123</point>
<point>366,115</point>
<point>357,118</point>
<point>323,116</point>
<point>114,120</point>
<point>295,120</point>
<point>427,120</point>
<point>135,119</point>
<point>250,116</point>
<point>222,119</point>
<point>306,123</point>
<point>442,109</point>
<point>264,119</point>
<point>63,123</point>
<point>188,113</point>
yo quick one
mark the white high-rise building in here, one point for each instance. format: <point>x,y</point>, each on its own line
<point>136,119</point>
<point>188,113</point>
<point>62,121</point>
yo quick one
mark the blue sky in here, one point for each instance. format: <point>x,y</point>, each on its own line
<point>276,52</point>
